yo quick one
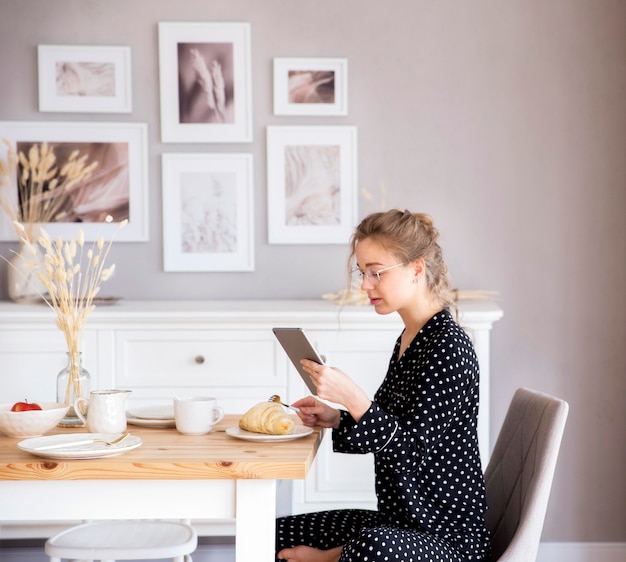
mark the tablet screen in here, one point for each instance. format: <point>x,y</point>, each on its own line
<point>298,346</point>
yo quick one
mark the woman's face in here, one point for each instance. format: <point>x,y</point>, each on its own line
<point>396,289</point>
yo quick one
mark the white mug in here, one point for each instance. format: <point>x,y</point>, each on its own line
<point>196,415</point>
<point>106,410</point>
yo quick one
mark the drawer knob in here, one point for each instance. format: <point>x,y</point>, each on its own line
<point>199,359</point>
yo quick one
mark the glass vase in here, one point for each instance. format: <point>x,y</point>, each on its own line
<point>73,382</point>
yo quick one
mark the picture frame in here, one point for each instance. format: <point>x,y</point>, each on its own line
<point>310,86</point>
<point>84,79</point>
<point>118,186</point>
<point>312,184</point>
<point>205,82</point>
<point>208,212</point>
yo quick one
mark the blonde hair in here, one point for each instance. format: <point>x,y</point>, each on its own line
<point>409,236</point>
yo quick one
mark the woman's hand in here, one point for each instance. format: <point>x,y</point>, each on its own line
<point>313,412</point>
<point>335,386</point>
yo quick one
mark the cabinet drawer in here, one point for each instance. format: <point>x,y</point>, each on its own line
<point>31,359</point>
<point>197,358</point>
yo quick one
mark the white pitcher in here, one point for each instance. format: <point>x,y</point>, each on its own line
<point>106,410</point>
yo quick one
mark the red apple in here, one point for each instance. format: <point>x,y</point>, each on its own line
<point>25,406</point>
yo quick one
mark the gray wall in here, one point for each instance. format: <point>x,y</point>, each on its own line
<point>504,120</point>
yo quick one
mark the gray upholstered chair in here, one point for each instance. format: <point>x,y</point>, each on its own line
<point>520,471</point>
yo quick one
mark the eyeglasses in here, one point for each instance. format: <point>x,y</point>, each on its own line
<point>372,275</point>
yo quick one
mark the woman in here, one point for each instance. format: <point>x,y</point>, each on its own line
<point>421,425</point>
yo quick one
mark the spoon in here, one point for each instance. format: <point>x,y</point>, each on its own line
<point>276,398</point>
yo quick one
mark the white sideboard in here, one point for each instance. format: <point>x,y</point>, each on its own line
<point>226,349</point>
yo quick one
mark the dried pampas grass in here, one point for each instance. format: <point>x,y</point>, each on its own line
<point>71,273</point>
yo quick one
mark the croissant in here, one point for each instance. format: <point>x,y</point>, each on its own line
<point>267,417</point>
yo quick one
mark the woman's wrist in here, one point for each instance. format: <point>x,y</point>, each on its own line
<point>337,420</point>
<point>358,406</point>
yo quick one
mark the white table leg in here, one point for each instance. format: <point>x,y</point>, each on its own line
<point>255,520</point>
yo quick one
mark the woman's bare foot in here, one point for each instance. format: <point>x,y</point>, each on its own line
<point>303,553</point>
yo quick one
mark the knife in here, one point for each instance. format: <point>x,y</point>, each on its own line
<point>82,442</point>
<point>64,445</point>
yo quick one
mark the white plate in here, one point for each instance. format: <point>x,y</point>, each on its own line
<point>84,451</point>
<point>159,412</point>
<point>300,431</point>
<point>141,422</point>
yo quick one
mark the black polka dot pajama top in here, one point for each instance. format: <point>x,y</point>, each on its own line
<point>421,428</point>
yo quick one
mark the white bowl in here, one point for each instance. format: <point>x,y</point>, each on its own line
<point>31,423</point>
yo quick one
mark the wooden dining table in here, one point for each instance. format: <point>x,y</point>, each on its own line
<point>170,476</point>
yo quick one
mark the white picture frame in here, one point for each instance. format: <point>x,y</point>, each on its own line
<point>118,186</point>
<point>193,57</point>
<point>312,184</point>
<point>84,79</point>
<point>310,86</point>
<point>208,212</point>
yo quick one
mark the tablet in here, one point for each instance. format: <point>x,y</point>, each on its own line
<point>298,346</point>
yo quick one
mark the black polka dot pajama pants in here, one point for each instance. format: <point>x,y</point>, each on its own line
<point>364,537</point>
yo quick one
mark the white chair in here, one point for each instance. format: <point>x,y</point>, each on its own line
<point>124,540</point>
<point>520,472</point>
